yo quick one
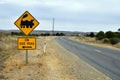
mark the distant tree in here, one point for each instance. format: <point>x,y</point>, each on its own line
<point>57,34</point>
<point>119,29</point>
<point>11,33</point>
<point>33,35</point>
<point>54,34</point>
<point>91,34</point>
<point>47,34</point>
<point>100,35</point>
<point>109,37</point>
<point>42,34</point>
<point>117,34</point>
<point>87,35</point>
<point>17,33</point>
<point>62,34</point>
<point>110,34</point>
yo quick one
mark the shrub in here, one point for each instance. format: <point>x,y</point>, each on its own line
<point>117,34</point>
<point>119,29</point>
<point>110,34</point>
<point>114,41</point>
<point>106,40</point>
<point>91,34</point>
<point>100,35</point>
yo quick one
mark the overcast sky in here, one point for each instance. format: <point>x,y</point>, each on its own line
<point>70,15</point>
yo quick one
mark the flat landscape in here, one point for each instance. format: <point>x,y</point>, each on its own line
<point>60,40</point>
<point>56,64</point>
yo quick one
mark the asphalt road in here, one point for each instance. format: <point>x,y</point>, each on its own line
<point>103,59</point>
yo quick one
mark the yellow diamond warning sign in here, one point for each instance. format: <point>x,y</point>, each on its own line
<point>26,23</point>
<point>26,43</point>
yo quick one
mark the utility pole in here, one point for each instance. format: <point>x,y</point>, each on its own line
<point>53,27</point>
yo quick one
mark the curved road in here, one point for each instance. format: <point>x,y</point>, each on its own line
<point>105,60</point>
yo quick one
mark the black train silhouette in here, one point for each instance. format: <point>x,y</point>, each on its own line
<point>26,23</point>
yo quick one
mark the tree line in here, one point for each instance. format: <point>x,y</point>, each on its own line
<point>107,37</point>
<point>41,34</point>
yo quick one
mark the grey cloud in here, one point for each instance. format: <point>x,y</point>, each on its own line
<point>74,12</point>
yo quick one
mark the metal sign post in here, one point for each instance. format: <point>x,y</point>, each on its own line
<point>26,56</point>
<point>26,43</point>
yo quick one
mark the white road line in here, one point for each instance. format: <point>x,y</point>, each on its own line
<point>98,50</point>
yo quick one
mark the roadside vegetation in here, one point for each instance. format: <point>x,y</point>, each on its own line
<point>41,34</point>
<point>7,48</point>
<point>107,37</point>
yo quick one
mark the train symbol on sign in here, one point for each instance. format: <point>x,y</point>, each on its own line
<point>26,23</point>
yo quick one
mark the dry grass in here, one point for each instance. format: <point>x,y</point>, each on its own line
<point>56,64</point>
<point>7,48</point>
<point>8,45</point>
<point>92,41</point>
<point>117,45</point>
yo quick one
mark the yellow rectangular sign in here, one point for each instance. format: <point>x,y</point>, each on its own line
<point>25,43</point>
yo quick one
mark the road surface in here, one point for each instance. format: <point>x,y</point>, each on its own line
<point>105,60</point>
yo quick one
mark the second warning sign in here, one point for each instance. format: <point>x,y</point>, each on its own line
<point>25,43</point>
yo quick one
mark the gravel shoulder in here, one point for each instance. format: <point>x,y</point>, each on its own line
<point>56,64</point>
